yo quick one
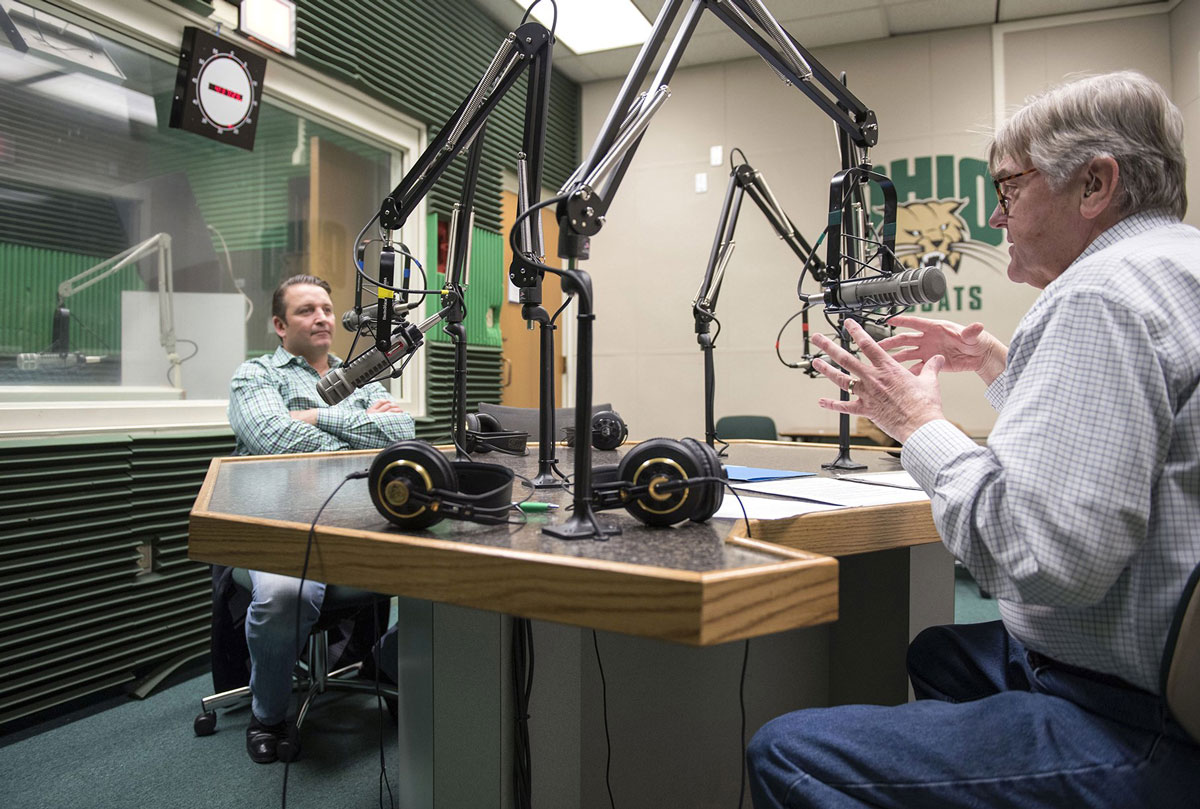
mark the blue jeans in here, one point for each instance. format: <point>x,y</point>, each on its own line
<point>994,726</point>
<point>271,635</point>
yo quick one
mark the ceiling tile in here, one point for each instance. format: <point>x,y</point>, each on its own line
<point>1027,9</point>
<point>934,15</point>
<point>844,26</point>
<point>811,22</point>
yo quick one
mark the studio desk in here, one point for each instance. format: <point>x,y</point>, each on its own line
<point>831,599</point>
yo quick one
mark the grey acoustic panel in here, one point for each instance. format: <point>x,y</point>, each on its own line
<point>96,589</point>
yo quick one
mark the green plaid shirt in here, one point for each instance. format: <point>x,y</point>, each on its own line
<point>264,390</point>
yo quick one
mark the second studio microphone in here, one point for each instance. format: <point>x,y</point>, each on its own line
<point>907,288</point>
<point>353,320</point>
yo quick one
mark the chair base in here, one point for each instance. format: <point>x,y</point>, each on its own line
<point>311,678</point>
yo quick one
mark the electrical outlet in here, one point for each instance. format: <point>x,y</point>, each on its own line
<point>702,182</point>
<point>716,155</point>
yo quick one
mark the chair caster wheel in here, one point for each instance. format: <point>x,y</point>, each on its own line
<point>288,749</point>
<point>205,724</point>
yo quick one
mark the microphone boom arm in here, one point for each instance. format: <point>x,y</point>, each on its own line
<point>744,180</point>
<point>590,191</point>
<point>527,47</point>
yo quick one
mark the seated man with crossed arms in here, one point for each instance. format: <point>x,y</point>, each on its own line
<point>274,408</point>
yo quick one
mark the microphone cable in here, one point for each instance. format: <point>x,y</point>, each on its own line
<point>745,658</point>
<point>512,233</point>
<point>779,336</point>
<point>604,710</point>
<point>384,781</point>
<point>293,732</point>
<point>522,665</point>
<point>742,703</point>
<point>553,25</point>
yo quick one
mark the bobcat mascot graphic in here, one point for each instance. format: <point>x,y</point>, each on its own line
<point>931,232</point>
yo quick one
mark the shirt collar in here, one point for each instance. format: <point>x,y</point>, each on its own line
<point>1131,225</point>
<point>283,357</point>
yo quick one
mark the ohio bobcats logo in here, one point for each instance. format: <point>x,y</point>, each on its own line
<point>931,232</point>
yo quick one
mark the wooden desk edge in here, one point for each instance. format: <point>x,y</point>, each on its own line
<point>692,607</point>
<point>800,589</point>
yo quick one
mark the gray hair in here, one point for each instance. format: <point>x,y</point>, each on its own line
<point>1123,115</point>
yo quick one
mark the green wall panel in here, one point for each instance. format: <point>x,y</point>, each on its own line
<point>488,285</point>
<point>31,278</point>
<point>424,58</point>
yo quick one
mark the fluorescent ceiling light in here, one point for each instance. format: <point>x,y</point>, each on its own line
<point>21,67</point>
<point>107,99</point>
<point>586,26</point>
<point>60,41</point>
<point>272,22</point>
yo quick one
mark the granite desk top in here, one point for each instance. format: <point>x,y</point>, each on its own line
<point>695,583</point>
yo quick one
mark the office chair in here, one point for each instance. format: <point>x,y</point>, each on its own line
<point>312,676</point>
<point>1181,660</point>
<point>762,427</point>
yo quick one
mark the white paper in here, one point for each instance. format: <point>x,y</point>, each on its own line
<point>766,508</point>
<point>901,479</point>
<point>840,492</point>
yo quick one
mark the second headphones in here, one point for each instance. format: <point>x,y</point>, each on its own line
<point>609,430</point>
<point>663,481</point>
<point>485,434</point>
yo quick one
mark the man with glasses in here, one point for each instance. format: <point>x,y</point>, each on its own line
<point>1081,515</point>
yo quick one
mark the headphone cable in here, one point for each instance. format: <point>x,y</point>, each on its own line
<point>293,731</point>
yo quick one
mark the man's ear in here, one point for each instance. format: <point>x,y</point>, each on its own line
<point>1099,190</point>
<point>280,326</point>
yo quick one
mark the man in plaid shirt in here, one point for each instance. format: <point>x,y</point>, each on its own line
<point>274,408</point>
<point>1080,515</point>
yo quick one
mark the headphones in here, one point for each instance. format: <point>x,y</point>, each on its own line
<point>414,486</point>
<point>663,481</point>
<point>485,434</point>
<point>609,430</point>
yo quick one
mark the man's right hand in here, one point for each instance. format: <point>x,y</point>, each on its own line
<point>966,348</point>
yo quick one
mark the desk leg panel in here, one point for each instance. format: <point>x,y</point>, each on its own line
<point>455,707</point>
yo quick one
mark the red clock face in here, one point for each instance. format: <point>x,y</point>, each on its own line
<point>224,92</point>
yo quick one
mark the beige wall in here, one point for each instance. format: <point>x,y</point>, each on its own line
<point>1185,77</point>
<point>933,94</point>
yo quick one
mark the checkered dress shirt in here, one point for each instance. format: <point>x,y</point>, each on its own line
<point>265,389</point>
<point>1082,514</point>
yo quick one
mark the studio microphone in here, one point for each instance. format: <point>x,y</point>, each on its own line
<point>340,382</point>
<point>907,288</point>
<point>355,321</point>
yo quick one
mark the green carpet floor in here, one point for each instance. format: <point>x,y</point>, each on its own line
<point>969,606</point>
<point>143,755</point>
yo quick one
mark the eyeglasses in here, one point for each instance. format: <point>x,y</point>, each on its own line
<point>1005,201</point>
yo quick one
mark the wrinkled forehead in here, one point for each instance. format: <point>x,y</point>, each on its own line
<point>299,295</point>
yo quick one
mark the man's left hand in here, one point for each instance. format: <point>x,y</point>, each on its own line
<point>893,397</point>
<point>384,406</point>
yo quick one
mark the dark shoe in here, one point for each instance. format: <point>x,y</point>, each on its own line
<point>262,740</point>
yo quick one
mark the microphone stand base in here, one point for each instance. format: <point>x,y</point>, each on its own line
<point>843,462</point>
<point>547,480</point>
<point>582,526</point>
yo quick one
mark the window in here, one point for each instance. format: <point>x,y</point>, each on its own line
<point>138,261</point>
